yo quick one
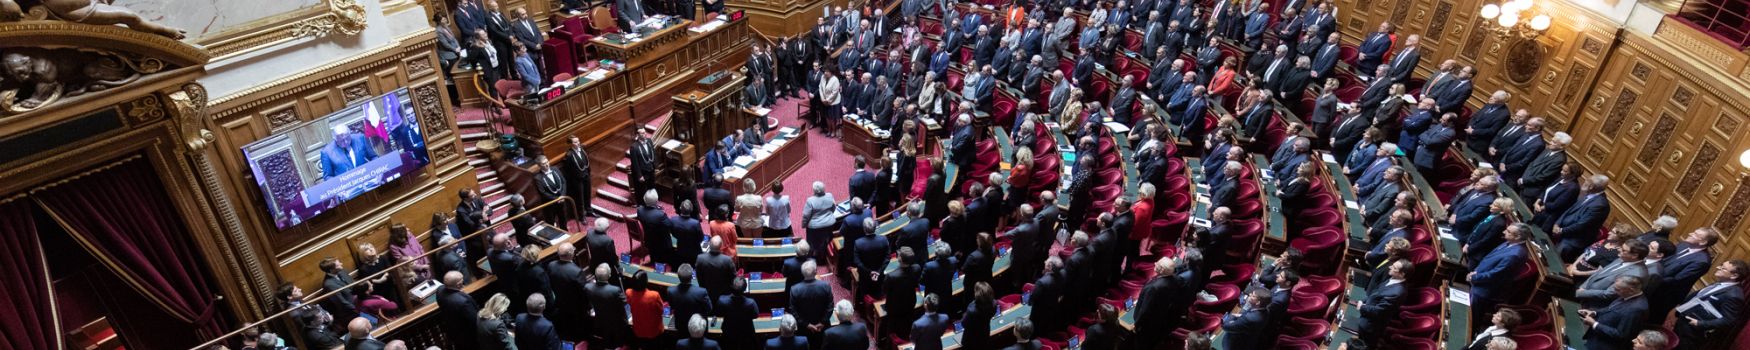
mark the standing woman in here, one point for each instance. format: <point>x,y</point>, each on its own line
<point>817,213</point>
<point>1223,83</point>
<point>1072,111</point>
<point>491,330</point>
<point>777,212</point>
<point>721,227</point>
<point>646,307</point>
<point>403,246</point>
<point>748,208</point>
<point>1021,178</point>
<point>978,317</point>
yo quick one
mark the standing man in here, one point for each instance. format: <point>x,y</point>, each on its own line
<point>576,169</point>
<point>551,185</point>
<point>644,162</point>
<point>1714,310</point>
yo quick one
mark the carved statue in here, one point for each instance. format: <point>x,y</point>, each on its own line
<point>98,12</point>
<point>50,74</point>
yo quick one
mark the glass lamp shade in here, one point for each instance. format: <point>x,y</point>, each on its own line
<point>1508,19</point>
<point>1490,11</point>
<point>1540,23</point>
<point>1744,159</point>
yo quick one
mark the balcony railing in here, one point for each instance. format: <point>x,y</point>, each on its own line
<point>1726,20</point>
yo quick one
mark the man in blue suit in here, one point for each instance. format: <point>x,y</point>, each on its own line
<point>1381,305</point>
<point>849,334</point>
<point>1404,63</point>
<point>1453,97</point>
<point>1612,327</point>
<point>1493,276</point>
<point>862,184</point>
<point>1681,270</point>
<point>1299,150</point>
<point>1194,131</point>
<point>1419,121</point>
<point>926,332</point>
<point>348,150</point>
<point>1179,97</point>
<point>533,331</point>
<point>1523,149</point>
<point>1471,206</point>
<point>787,338</point>
<point>1325,58</point>
<point>1372,50</point>
<point>1245,327</point>
<point>1225,193</point>
<point>1256,24</point>
<point>1375,172</point>
<point>1713,309</point>
<point>1578,227</point>
<point>1432,144</point>
<point>1400,228</point>
<point>1486,122</point>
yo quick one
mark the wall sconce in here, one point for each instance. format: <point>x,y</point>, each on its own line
<point>1516,18</point>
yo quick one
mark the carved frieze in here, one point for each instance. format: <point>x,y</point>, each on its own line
<point>37,77</point>
<point>431,109</point>
<point>1596,153</point>
<point>1572,88</point>
<point>1625,101</point>
<point>1437,25</point>
<point>356,92</point>
<point>1591,45</point>
<point>1401,11</point>
<point>93,12</point>
<point>1640,71</point>
<point>446,151</point>
<point>145,109</point>
<point>1633,182</point>
<point>1475,42</point>
<point>1682,96</point>
<point>1735,208</point>
<point>1704,160</point>
<point>1728,124</point>
<point>1524,58</point>
<point>1657,140</point>
<point>282,118</point>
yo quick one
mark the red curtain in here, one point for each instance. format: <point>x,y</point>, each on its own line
<point>123,216</point>
<point>24,283</point>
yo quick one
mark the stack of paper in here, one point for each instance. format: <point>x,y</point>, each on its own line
<point>743,161</point>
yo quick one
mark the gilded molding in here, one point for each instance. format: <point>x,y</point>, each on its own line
<point>280,84</point>
<point>346,17</point>
<point>1690,44</point>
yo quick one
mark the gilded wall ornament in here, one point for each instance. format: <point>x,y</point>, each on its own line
<point>84,11</point>
<point>1524,58</point>
<point>35,77</point>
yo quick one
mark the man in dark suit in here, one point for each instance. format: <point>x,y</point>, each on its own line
<point>534,331</point>
<point>1381,305</point>
<point>654,221</point>
<point>359,336</point>
<point>737,311</point>
<point>348,150</point>
<point>1257,22</point>
<point>1486,122</point>
<point>1047,295</point>
<point>450,260</point>
<point>550,184</point>
<point>1404,63</point>
<point>577,176</point>
<point>1492,277</point>
<point>1347,134</point>
<point>686,299</point>
<point>811,301</point>
<point>915,234</point>
<point>686,233</point>
<point>457,311</point>
<point>1525,148</point>
<point>1225,193</point>
<point>336,279</point>
<point>601,246</point>
<point>870,257</point>
<point>1153,305</point>
<point>862,184</point>
<point>1681,270</point>
<point>1510,135</point>
<point>963,146</point>
<point>926,332</point>
<point>1595,291</point>
<point>570,302</point>
<point>1123,100</point>
<point>1556,199</point>
<point>1084,69</point>
<point>1707,314</point>
<point>1546,167</point>
<point>1324,110</point>
<point>1471,206</point>
<point>1377,91</point>
<point>1612,327</point>
<point>787,338</point>
<point>1292,85</point>
<point>1432,143</point>
<point>1454,95</point>
<point>1244,328</point>
<point>609,305</point>
<point>644,160</point>
<point>1373,49</point>
<point>527,33</point>
<point>631,13</point>
<point>715,270</point>
<point>1578,226</point>
<point>848,334</point>
<point>1269,76</point>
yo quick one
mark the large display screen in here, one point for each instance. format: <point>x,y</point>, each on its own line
<point>314,166</point>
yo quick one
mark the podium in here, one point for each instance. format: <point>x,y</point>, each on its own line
<point>708,111</point>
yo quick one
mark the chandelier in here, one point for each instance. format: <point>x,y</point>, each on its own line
<point>1516,18</point>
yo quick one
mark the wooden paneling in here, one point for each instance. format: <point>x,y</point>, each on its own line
<point>265,110</point>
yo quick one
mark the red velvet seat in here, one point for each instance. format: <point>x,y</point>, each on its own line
<point>1286,343</point>
<point>1422,256</point>
<point>557,55</point>
<point>1348,53</point>
<point>1307,329</point>
<point>1243,245</point>
<point>1316,219</point>
<point>1309,306</point>
<point>1169,227</point>
<point>1531,319</point>
<point>1528,275</point>
<point>1236,274</point>
<point>1133,40</point>
<point>1543,341</point>
<point>1408,343</point>
<point>953,81</point>
<point>1323,285</point>
<point>1424,301</point>
<point>1415,326</point>
<point>1322,248</point>
<point>1226,296</point>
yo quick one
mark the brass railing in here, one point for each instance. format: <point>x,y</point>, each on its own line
<point>316,300</point>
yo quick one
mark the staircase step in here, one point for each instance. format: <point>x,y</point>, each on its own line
<point>477,162</point>
<point>612,212</point>
<point>624,166</point>
<point>615,195</point>
<point>472,123</point>
<point>475,136</point>
<point>619,179</point>
<point>491,186</point>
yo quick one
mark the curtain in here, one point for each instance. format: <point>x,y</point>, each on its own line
<point>24,283</point>
<point>123,216</point>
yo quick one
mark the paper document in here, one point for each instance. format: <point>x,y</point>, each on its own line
<point>1458,296</point>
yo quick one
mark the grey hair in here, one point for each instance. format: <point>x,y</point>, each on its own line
<point>819,188</point>
<point>1562,138</point>
<point>601,224</point>
<point>1666,222</point>
<point>696,326</point>
<point>650,197</point>
<point>787,325</point>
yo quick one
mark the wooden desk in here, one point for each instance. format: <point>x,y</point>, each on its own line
<point>639,92</point>
<point>616,47</point>
<point>860,141</point>
<point>775,167</point>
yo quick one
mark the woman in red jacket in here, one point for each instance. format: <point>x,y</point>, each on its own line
<point>1223,83</point>
<point>646,306</point>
